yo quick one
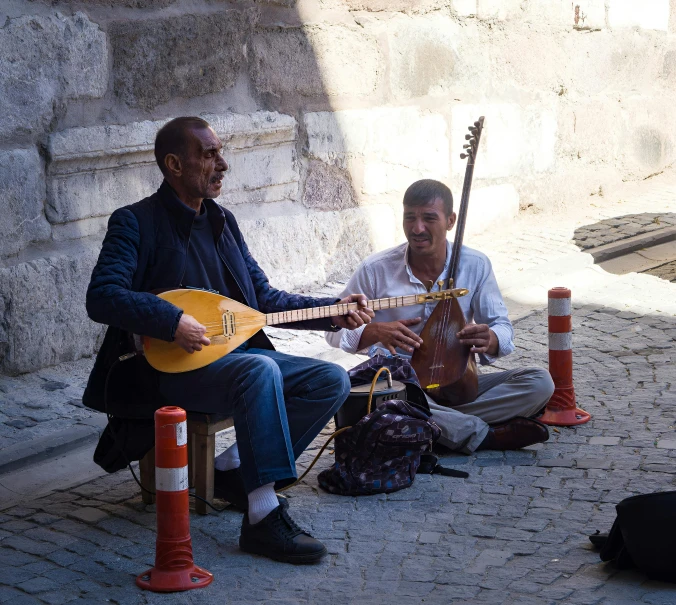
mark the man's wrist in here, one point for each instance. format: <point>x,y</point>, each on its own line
<point>369,335</point>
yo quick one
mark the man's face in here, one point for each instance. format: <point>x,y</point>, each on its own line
<point>202,165</point>
<point>426,226</point>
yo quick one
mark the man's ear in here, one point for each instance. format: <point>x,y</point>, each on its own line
<point>173,164</point>
<point>451,221</point>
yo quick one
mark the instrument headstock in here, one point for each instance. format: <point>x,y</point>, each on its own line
<point>473,140</point>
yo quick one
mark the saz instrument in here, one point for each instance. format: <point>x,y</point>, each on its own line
<point>230,323</point>
<point>445,367</point>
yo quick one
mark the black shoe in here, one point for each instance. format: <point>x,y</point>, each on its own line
<point>229,486</point>
<point>279,538</point>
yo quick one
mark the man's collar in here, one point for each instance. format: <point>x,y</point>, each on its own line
<point>412,277</point>
<point>174,205</point>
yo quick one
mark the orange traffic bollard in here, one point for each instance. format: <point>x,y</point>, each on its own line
<point>561,409</point>
<point>174,568</point>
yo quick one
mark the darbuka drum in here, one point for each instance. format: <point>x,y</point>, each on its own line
<point>354,408</point>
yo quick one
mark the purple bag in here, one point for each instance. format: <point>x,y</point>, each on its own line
<point>382,452</point>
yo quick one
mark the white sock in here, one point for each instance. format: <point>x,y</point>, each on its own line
<point>228,460</point>
<point>262,501</point>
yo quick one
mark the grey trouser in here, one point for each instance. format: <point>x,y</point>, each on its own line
<point>502,396</point>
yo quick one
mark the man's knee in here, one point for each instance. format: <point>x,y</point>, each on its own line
<point>331,384</point>
<point>543,385</point>
<point>256,368</point>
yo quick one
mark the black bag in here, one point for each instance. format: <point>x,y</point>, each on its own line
<point>643,535</point>
<point>123,441</point>
<point>381,453</point>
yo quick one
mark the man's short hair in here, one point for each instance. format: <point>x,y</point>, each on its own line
<point>173,138</point>
<point>427,190</point>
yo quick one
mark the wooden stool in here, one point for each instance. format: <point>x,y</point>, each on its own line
<point>202,429</point>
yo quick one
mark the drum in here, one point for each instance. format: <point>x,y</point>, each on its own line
<point>354,408</point>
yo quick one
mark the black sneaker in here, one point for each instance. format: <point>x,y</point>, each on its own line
<point>229,486</point>
<point>279,538</point>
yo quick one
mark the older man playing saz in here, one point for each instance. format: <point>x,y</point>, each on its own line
<point>499,418</point>
<point>180,237</point>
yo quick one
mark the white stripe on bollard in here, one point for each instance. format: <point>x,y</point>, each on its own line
<point>171,479</point>
<point>182,433</point>
<point>559,307</point>
<point>560,342</point>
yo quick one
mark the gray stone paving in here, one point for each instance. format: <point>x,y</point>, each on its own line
<point>621,227</point>
<point>514,532</point>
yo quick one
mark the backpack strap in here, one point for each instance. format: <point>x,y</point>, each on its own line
<point>429,466</point>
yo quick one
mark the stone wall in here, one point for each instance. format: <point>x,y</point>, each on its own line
<point>328,110</point>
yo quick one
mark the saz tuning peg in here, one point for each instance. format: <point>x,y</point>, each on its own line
<point>468,137</point>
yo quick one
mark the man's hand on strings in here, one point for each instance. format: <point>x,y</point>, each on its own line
<point>190,334</point>
<point>392,334</point>
<point>480,337</point>
<point>354,319</point>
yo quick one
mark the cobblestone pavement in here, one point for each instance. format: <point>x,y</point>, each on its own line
<point>621,227</point>
<point>514,532</point>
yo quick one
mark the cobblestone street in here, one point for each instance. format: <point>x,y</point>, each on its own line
<point>515,531</point>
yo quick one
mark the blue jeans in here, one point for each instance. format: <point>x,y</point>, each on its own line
<point>279,404</point>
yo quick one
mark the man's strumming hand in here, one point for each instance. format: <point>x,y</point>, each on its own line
<point>354,319</point>
<point>190,334</point>
<point>480,337</point>
<point>392,334</point>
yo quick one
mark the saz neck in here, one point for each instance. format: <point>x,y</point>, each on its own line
<point>379,304</point>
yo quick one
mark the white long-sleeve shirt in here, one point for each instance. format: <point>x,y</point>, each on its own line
<point>388,274</point>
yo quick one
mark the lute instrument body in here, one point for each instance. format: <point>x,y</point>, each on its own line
<point>446,368</point>
<point>230,323</point>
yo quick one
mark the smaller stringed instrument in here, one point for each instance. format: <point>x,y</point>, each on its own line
<point>445,367</point>
<point>230,323</point>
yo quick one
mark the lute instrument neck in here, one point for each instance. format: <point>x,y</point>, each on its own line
<point>379,304</point>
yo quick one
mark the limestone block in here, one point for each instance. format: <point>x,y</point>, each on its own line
<point>22,196</point>
<point>46,60</point>
<point>515,139</point>
<point>298,250</point>
<point>317,61</point>
<point>550,12</point>
<point>157,60</point>
<point>395,5</point>
<point>589,14</point>
<point>43,320</point>
<point>649,14</point>
<point>490,207</point>
<point>392,146</point>
<point>423,56</point>
<point>636,136</point>
<point>499,10</point>
<point>615,61</point>
<point>93,171</point>
<point>465,8</point>
<point>328,188</point>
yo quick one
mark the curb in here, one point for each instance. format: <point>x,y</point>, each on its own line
<point>24,454</point>
<point>632,244</point>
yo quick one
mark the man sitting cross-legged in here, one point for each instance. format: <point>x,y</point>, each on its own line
<point>499,417</point>
<point>179,237</point>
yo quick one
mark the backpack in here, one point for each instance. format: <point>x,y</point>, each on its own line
<point>643,535</point>
<point>383,452</point>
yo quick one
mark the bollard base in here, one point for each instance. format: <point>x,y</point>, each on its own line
<point>570,417</point>
<point>175,580</point>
